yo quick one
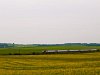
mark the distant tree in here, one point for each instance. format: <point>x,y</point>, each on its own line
<point>13,44</point>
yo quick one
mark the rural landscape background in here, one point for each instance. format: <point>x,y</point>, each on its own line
<point>21,59</point>
<point>49,37</point>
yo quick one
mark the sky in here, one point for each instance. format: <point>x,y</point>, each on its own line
<point>49,21</point>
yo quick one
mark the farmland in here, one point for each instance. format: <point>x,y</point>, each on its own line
<point>39,49</point>
<point>58,64</point>
<point>50,64</point>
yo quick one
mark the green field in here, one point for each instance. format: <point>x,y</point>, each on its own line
<point>52,64</point>
<point>39,49</point>
<point>58,64</point>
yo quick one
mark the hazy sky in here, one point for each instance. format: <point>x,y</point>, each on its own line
<point>49,21</point>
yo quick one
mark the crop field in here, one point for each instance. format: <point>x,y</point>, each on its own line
<point>39,49</point>
<point>53,64</point>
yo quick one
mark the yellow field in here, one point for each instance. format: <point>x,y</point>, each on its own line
<point>58,64</point>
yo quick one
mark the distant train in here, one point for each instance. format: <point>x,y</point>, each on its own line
<point>68,51</point>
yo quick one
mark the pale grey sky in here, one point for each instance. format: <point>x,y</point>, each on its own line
<point>49,21</point>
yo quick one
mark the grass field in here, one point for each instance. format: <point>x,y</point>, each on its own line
<point>39,49</point>
<point>52,64</point>
<point>58,64</point>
